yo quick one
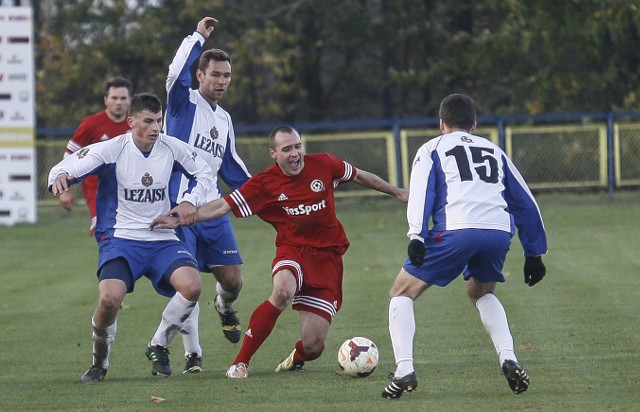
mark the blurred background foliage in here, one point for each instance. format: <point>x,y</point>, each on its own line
<point>313,60</point>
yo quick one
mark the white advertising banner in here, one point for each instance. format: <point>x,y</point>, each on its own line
<point>18,177</point>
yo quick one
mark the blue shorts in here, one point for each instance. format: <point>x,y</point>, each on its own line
<point>155,260</point>
<point>477,253</point>
<point>212,242</point>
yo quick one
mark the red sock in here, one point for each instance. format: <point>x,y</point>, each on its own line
<point>301,356</point>
<point>261,323</point>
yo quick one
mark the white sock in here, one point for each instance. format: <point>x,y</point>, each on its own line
<point>176,310</point>
<point>102,340</point>
<point>495,322</point>
<point>402,328</point>
<point>227,299</point>
<point>190,336</point>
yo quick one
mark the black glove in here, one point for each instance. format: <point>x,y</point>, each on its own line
<point>534,270</point>
<point>416,252</point>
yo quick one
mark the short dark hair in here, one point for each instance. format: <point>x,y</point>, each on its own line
<point>215,55</point>
<point>117,82</point>
<point>145,101</point>
<point>459,111</point>
<point>283,129</point>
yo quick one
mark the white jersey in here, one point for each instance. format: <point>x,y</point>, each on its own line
<point>463,181</point>
<point>207,128</point>
<point>133,188</point>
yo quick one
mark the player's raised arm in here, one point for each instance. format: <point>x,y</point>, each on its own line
<point>205,26</point>
<point>375,182</point>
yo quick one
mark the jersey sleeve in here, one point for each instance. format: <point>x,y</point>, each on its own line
<point>80,164</point>
<point>81,137</point>
<point>524,209</point>
<point>195,169</point>
<point>233,170</point>
<point>341,171</point>
<point>180,112</point>
<point>421,194</point>
<point>179,75</point>
<point>249,199</point>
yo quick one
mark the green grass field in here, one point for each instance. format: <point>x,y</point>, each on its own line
<point>577,333</point>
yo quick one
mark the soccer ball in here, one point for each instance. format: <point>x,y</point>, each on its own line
<point>358,357</point>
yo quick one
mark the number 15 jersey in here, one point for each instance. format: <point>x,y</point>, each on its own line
<point>463,181</point>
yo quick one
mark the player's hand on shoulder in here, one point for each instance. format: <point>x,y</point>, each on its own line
<point>416,252</point>
<point>534,270</point>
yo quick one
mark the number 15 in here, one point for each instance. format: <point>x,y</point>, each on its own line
<point>480,156</point>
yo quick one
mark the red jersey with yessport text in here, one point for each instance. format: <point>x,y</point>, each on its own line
<point>301,208</point>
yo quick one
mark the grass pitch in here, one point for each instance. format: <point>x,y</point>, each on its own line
<point>577,333</point>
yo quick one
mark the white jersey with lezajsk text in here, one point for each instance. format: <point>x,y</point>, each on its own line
<point>463,181</point>
<point>207,128</point>
<point>133,188</point>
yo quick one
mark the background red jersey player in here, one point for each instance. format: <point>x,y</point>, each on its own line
<point>95,128</point>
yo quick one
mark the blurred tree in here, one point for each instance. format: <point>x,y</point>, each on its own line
<point>309,60</point>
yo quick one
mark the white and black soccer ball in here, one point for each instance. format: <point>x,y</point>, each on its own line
<point>358,357</point>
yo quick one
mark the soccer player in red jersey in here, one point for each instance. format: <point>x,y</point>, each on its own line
<point>95,128</point>
<point>295,195</point>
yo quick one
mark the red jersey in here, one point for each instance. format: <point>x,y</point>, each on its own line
<point>93,129</point>
<point>301,208</point>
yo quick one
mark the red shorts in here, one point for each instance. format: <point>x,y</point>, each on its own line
<point>318,275</point>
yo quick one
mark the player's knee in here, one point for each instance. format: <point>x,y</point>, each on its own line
<point>190,290</point>
<point>476,289</point>
<point>109,304</point>
<point>232,284</point>
<point>186,280</point>
<point>189,287</point>
<point>281,297</point>
<point>229,277</point>
<point>237,283</point>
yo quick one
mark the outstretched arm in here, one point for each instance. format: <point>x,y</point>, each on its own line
<point>214,209</point>
<point>375,182</point>
<point>208,211</point>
